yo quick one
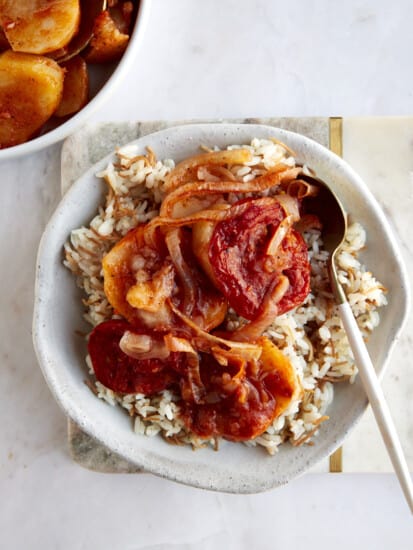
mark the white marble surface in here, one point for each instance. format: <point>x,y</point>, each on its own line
<point>236,58</point>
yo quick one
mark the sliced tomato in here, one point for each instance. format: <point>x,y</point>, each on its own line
<point>122,373</point>
<point>242,268</point>
<point>242,400</point>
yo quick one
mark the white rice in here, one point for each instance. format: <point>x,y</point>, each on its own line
<point>311,335</point>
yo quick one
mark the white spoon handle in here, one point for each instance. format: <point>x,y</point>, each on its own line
<point>377,401</point>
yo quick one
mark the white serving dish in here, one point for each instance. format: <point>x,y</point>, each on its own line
<point>58,314</point>
<point>104,79</point>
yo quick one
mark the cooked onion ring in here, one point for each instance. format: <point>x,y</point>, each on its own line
<point>189,167</point>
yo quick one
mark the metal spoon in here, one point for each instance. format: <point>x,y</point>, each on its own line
<point>330,211</point>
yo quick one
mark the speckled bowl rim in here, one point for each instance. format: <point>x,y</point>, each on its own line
<point>208,471</point>
<point>118,75</point>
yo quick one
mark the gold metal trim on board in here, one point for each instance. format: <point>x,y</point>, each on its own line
<point>336,145</point>
<point>336,135</point>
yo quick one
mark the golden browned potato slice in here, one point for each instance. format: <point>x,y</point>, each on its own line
<point>108,43</point>
<point>31,87</point>
<point>75,87</point>
<point>39,26</point>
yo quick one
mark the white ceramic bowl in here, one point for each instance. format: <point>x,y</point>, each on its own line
<point>61,354</point>
<point>103,81</point>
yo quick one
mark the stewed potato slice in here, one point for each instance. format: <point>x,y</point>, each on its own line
<point>75,87</point>
<point>39,26</point>
<point>31,88</point>
<point>108,43</point>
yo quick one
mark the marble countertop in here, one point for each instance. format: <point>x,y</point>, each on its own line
<point>232,59</point>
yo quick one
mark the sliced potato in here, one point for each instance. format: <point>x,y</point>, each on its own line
<point>31,88</point>
<point>39,26</point>
<point>75,87</point>
<point>108,43</point>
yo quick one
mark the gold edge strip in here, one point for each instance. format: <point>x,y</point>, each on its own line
<point>336,461</point>
<point>336,135</point>
<point>336,146</point>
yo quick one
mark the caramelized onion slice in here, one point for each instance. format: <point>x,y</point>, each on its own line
<point>279,235</point>
<point>269,311</point>
<point>204,215</point>
<point>290,205</point>
<point>201,237</point>
<point>215,173</point>
<point>280,174</point>
<point>204,340</point>
<point>301,189</point>
<point>197,297</point>
<point>177,176</point>
<point>192,387</point>
<point>173,240</point>
<point>143,346</point>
